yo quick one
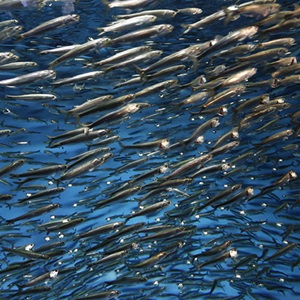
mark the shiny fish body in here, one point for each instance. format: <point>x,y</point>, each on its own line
<point>150,32</point>
<point>128,23</point>
<point>120,113</point>
<point>28,78</point>
<point>79,50</point>
<point>50,25</point>
<point>86,167</point>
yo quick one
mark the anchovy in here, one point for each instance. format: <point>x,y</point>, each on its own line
<point>80,49</point>
<point>234,36</point>
<point>101,229</point>
<point>124,24</point>
<point>102,295</point>
<point>86,167</point>
<point>25,253</point>
<point>43,194</point>
<point>120,56</point>
<point>219,196</point>
<point>159,13</point>
<point>150,262</point>
<point>18,65</point>
<point>41,171</point>
<point>77,78</point>
<point>28,78</point>
<point>150,209</point>
<point>229,254</point>
<point>282,251</point>
<point>34,213</point>
<point>118,195</point>
<point>65,224</point>
<point>149,32</point>
<point>10,32</point>
<point>89,106</point>
<point>161,144</point>
<point>12,166</point>
<point>214,250</point>
<point>191,164</point>
<point>118,114</point>
<point>143,57</point>
<point>130,3</point>
<point>48,275</point>
<point>110,257</point>
<point>32,97</point>
<point>81,137</point>
<point>50,25</point>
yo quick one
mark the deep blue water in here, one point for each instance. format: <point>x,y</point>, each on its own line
<point>268,221</point>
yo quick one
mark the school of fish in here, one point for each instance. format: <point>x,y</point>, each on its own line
<point>149,149</point>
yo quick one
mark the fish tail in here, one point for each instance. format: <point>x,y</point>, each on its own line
<point>101,29</point>
<point>56,180</point>
<point>105,2</point>
<point>141,72</point>
<point>194,61</point>
<point>230,15</point>
<point>121,144</point>
<point>187,28</point>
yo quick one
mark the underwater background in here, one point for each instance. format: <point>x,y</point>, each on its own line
<point>147,192</point>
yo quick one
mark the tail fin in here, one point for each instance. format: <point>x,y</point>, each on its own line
<point>141,72</point>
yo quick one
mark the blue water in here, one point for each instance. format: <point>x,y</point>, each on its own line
<point>252,226</point>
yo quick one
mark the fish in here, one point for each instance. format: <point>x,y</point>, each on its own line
<point>110,294</point>
<point>48,275</point>
<point>186,53</point>
<point>281,251</point>
<point>150,209</point>
<point>150,32</point>
<point>101,229</point>
<point>150,262</point>
<point>159,13</point>
<point>161,144</point>
<point>40,172</point>
<point>26,253</point>
<point>214,250</point>
<point>18,65</point>
<point>133,60</point>
<point>229,254</point>
<point>12,166</point>
<point>88,166</point>
<point>129,3</point>
<point>50,25</point>
<point>78,78</point>
<point>10,32</point>
<point>79,50</point>
<point>28,78</point>
<point>119,114</point>
<point>42,194</point>
<point>34,213</point>
<point>128,23</point>
<point>237,35</point>
<point>32,97</point>
<point>81,137</point>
